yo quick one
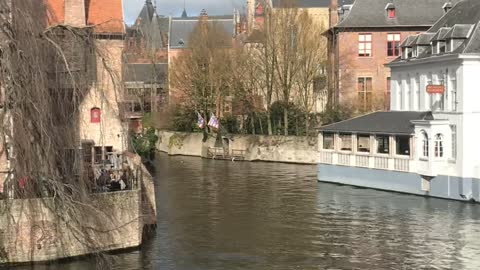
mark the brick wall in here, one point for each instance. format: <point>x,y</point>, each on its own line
<point>352,66</point>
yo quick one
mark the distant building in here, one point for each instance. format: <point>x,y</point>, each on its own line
<point>146,90</point>
<point>147,38</point>
<point>181,29</point>
<point>368,36</point>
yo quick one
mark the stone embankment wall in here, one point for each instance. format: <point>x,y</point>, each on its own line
<point>290,149</point>
<point>34,230</point>
<point>30,230</point>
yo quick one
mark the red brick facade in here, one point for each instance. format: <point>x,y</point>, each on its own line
<point>352,67</point>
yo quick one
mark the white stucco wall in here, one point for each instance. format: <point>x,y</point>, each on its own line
<point>105,94</point>
<point>461,74</point>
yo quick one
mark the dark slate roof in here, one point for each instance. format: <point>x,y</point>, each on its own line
<point>424,39</point>
<point>146,14</point>
<point>372,13</point>
<point>463,22</point>
<point>312,3</point>
<point>440,34</point>
<point>409,41</point>
<point>464,12</point>
<point>147,73</point>
<point>459,31</point>
<point>393,122</point>
<point>182,28</point>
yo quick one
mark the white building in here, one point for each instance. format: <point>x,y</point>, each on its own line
<point>435,88</point>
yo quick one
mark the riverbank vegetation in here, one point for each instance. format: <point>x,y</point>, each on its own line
<point>272,81</point>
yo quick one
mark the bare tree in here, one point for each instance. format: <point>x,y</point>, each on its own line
<point>203,71</point>
<point>312,57</point>
<point>286,26</point>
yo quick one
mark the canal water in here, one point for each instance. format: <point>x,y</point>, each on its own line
<point>241,215</point>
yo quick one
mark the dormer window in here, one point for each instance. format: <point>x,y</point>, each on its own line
<point>390,8</point>
<point>447,6</point>
<point>391,13</point>
<point>405,52</point>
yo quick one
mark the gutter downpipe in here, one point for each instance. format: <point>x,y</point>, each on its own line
<point>337,68</point>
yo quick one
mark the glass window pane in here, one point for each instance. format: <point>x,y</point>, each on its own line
<point>383,144</point>
<point>363,143</point>
<point>390,37</point>
<point>361,84</point>
<point>403,145</point>
<point>368,46</point>
<point>397,37</point>
<point>361,46</point>
<point>369,86</point>
<point>345,142</point>
<point>368,37</point>
<point>328,141</point>
<point>361,37</point>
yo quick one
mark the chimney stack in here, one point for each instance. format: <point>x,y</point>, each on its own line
<point>75,13</point>
<point>333,13</point>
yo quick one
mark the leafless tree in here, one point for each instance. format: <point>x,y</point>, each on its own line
<point>312,57</point>
<point>203,71</point>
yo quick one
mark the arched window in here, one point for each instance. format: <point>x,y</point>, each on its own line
<point>95,115</point>
<point>425,143</point>
<point>438,145</point>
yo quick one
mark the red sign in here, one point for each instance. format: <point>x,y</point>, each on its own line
<point>435,89</point>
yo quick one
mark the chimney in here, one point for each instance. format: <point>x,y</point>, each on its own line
<point>447,6</point>
<point>75,13</point>
<point>333,13</point>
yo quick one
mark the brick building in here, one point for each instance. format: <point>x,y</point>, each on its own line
<point>367,38</point>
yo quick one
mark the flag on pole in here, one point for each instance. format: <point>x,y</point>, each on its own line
<point>201,121</point>
<point>213,123</point>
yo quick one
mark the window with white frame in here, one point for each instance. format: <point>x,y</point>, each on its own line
<point>365,93</point>
<point>430,98</point>
<point>398,85</point>
<point>424,144</point>
<point>383,144</point>
<point>441,104</point>
<point>417,92</point>
<point>438,145</point>
<point>363,143</point>
<point>393,44</point>
<point>365,45</point>
<point>454,142</point>
<point>402,144</point>
<point>407,94</point>
<point>453,91</point>
<point>402,94</point>
<point>328,141</point>
<point>345,142</point>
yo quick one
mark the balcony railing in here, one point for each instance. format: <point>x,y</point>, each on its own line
<point>397,163</point>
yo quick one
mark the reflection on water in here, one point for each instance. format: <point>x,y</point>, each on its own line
<point>240,215</point>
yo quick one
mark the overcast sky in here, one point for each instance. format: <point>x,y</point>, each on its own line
<point>175,7</point>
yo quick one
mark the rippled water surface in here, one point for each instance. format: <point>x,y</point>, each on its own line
<point>240,215</point>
